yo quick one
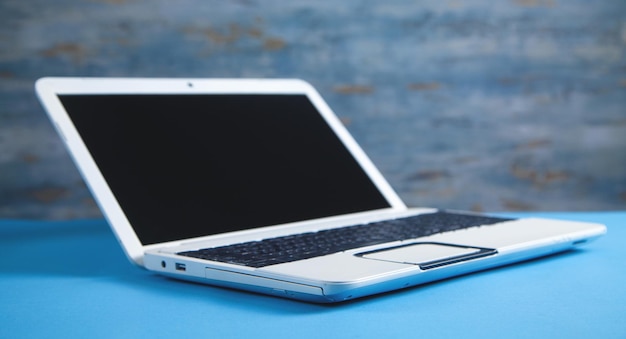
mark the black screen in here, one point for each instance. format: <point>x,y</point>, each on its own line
<point>184,166</point>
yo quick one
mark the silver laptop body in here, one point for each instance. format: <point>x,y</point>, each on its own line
<point>207,179</point>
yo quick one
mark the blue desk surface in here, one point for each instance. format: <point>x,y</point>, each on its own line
<point>72,279</point>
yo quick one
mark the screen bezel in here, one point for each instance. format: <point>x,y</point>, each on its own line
<point>49,90</point>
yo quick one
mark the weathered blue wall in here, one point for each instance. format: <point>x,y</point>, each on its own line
<point>484,105</point>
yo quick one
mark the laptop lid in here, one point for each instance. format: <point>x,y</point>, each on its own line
<point>169,160</point>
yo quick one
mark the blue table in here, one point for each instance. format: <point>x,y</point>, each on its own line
<point>70,279</point>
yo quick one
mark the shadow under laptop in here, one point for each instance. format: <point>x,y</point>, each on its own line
<point>238,299</point>
<point>88,248</point>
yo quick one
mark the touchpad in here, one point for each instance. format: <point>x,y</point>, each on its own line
<point>428,255</point>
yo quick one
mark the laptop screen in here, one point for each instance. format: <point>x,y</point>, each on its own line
<point>184,166</point>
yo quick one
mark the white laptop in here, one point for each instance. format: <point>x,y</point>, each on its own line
<point>255,184</point>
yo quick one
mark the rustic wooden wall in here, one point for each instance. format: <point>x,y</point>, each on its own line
<point>483,105</point>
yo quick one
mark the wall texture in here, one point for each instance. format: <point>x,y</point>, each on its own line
<point>483,105</point>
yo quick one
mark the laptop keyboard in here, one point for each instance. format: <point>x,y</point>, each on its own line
<point>313,244</point>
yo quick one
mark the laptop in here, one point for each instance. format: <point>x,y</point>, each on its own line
<point>255,184</point>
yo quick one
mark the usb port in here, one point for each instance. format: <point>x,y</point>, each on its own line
<point>180,267</point>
